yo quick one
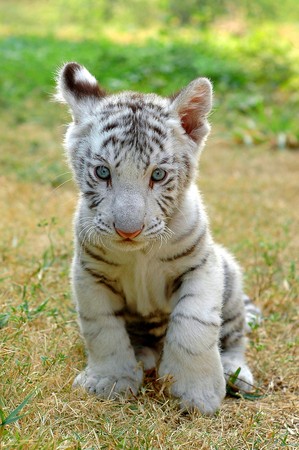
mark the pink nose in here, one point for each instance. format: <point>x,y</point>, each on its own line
<point>126,235</point>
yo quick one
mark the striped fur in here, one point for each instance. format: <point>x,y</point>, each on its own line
<point>168,296</point>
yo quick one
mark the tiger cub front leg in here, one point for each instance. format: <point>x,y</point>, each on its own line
<point>191,354</point>
<point>112,368</point>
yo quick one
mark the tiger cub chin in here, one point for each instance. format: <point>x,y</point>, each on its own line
<point>151,287</point>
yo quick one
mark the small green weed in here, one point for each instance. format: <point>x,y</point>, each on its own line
<point>234,391</point>
<point>14,415</point>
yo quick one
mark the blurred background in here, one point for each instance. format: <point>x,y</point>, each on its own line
<point>249,49</point>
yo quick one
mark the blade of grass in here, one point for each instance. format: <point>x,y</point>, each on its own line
<point>14,415</point>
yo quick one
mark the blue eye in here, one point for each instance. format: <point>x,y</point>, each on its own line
<point>103,173</point>
<point>158,175</point>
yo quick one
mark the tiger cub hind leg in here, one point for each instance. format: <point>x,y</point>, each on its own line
<point>233,329</point>
<point>147,356</point>
<point>233,362</point>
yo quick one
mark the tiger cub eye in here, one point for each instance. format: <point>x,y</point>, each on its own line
<point>158,175</point>
<point>103,173</point>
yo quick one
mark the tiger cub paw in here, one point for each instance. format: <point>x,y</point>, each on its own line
<point>195,390</point>
<point>244,380</point>
<point>110,386</point>
<point>205,396</point>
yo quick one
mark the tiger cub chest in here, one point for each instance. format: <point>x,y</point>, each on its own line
<point>144,284</point>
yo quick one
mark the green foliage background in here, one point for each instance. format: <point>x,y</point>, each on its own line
<point>248,49</point>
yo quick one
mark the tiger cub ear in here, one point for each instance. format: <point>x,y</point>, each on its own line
<point>193,104</point>
<point>78,88</point>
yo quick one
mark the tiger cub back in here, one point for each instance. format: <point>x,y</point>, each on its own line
<point>150,285</point>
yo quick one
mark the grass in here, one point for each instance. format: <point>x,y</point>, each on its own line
<point>250,184</point>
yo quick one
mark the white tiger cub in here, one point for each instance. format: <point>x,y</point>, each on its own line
<point>148,281</point>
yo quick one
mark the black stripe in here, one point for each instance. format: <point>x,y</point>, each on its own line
<point>127,120</point>
<point>88,193</point>
<point>98,276</point>
<point>186,296</point>
<point>187,163</point>
<point>83,244</point>
<point>163,209</point>
<point>232,318</point>
<point>101,279</point>
<point>95,203</point>
<point>166,160</point>
<point>88,151</point>
<point>98,257</point>
<point>91,186</point>
<point>157,142</point>
<point>146,340</point>
<point>142,333</point>
<point>149,148</point>
<point>92,335</point>
<point>93,318</point>
<point>178,281</point>
<point>145,326</point>
<point>109,140</point>
<point>167,198</point>
<point>81,162</point>
<point>87,318</point>
<point>131,315</point>
<point>230,338</point>
<point>118,163</point>
<point>145,159</point>
<point>98,156</point>
<point>183,347</point>
<point>156,129</point>
<point>186,252</point>
<point>109,127</point>
<point>194,318</point>
<point>111,107</point>
<point>170,179</point>
<point>158,115</point>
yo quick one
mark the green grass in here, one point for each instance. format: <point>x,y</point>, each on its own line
<point>254,71</point>
<point>163,64</point>
<point>252,105</point>
<point>249,178</point>
<point>254,74</point>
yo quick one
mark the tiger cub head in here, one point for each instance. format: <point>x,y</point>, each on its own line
<point>133,155</point>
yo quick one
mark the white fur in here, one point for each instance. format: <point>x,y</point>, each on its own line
<point>116,282</point>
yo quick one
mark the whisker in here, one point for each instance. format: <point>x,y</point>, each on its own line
<point>186,219</point>
<point>161,241</point>
<point>86,238</point>
<point>150,247</point>
<point>60,185</point>
<point>84,229</point>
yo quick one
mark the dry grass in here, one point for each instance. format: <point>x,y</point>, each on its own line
<point>252,197</point>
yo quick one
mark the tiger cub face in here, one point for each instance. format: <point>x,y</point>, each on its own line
<point>133,155</point>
